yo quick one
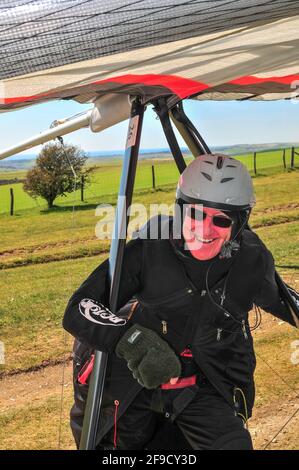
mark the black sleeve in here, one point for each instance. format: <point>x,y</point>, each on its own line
<point>87,316</point>
<point>269,296</point>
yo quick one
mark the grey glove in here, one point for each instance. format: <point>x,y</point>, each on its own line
<point>148,356</point>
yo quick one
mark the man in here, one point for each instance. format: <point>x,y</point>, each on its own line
<point>184,350</point>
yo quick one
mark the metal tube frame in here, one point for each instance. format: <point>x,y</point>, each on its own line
<point>70,125</point>
<point>188,131</point>
<point>97,382</point>
<point>162,111</point>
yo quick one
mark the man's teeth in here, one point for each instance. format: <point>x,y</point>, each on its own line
<point>204,240</point>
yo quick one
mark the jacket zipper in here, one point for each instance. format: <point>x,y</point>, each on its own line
<point>164,327</point>
<point>187,291</point>
<point>219,331</point>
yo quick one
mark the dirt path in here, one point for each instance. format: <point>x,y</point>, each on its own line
<point>43,246</point>
<point>275,426</point>
<point>39,248</point>
<point>34,409</point>
<point>21,389</point>
<point>34,388</point>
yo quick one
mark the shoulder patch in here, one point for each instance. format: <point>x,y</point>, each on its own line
<point>98,313</point>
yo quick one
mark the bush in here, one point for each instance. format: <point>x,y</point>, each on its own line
<point>58,171</point>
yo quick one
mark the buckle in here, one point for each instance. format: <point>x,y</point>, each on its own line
<point>181,383</point>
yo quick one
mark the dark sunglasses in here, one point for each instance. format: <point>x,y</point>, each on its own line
<point>218,220</point>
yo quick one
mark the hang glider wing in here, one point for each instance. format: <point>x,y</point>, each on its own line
<point>80,49</point>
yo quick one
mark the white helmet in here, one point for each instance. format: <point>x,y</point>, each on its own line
<point>217,181</point>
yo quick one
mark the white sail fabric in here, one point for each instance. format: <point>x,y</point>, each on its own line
<point>79,49</point>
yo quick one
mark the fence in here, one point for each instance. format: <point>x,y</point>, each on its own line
<point>284,158</point>
<point>151,175</point>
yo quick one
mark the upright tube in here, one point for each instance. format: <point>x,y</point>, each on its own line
<point>91,421</point>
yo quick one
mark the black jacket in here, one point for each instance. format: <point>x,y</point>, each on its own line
<point>175,303</point>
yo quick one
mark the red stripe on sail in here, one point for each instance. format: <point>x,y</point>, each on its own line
<point>180,86</point>
<point>252,80</point>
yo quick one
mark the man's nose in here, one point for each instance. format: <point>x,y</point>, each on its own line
<point>207,224</point>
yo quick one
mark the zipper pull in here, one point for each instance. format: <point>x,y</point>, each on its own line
<point>244,329</point>
<point>86,370</point>
<point>164,327</point>
<point>203,293</point>
<point>222,298</point>
<point>219,330</point>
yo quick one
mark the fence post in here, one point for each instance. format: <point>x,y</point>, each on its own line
<point>254,163</point>
<point>11,201</point>
<point>284,159</point>
<point>153,177</point>
<point>82,188</point>
<point>292,157</point>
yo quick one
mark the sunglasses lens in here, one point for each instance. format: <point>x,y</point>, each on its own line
<point>196,214</point>
<point>223,222</point>
<point>218,220</point>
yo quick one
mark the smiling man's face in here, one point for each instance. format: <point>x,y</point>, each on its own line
<point>205,230</point>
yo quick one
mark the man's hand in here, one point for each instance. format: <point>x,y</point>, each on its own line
<point>148,356</point>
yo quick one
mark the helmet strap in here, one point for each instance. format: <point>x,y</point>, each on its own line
<point>232,246</point>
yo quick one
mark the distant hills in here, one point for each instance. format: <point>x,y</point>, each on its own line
<point>25,162</point>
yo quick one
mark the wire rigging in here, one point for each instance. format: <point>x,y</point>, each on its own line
<point>60,139</point>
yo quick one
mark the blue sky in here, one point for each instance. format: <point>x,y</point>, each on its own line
<point>220,123</point>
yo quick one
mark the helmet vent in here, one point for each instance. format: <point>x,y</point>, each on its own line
<point>206,176</point>
<point>220,163</point>
<point>224,180</point>
<point>231,166</point>
<point>210,163</point>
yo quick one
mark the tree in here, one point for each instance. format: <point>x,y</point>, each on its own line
<point>54,172</point>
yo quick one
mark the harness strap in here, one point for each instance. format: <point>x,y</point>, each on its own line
<point>181,383</point>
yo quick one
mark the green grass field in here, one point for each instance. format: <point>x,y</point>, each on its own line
<point>45,255</point>
<point>105,180</point>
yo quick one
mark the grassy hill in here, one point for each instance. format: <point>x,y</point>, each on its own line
<point>45,255</point>
<point>105,180</point>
